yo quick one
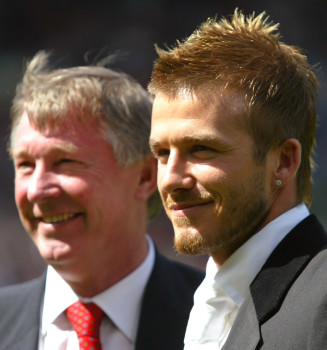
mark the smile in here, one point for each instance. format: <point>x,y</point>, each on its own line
<point>57,218</point>
<point>179,210</point>
<point>186,206</point>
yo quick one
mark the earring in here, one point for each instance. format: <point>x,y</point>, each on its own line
<point>278,182</point>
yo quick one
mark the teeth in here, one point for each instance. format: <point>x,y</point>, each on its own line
<point>57,218</point>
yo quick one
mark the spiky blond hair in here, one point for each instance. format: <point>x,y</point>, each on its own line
<point>245,53</point>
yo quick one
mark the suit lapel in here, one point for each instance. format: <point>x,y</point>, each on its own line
<point>245,333</point>
<point>272,283</point>
<point>284,265</point>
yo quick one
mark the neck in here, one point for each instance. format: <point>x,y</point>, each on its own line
<point>282,201</point>
<point>88,282</point>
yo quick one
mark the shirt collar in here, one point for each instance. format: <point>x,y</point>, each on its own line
<point>121,302</point>
<point>240,269</point>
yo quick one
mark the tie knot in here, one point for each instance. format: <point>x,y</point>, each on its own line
<point>86,319</point>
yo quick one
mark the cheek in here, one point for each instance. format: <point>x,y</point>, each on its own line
<point>209,176</point>
<point>160,176</point>
<point>89,193</point>
<point>75,186</point>
<point>20,193</point>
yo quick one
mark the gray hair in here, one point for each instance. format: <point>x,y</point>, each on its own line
<point>122,107</point>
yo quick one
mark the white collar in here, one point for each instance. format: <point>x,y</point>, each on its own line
<point>240,269</point>
<point>121,302</point>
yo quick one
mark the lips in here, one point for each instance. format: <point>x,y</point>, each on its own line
<point>183,206</point>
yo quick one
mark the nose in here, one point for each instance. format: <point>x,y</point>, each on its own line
<point>175,174</point>
<point>43,185</point>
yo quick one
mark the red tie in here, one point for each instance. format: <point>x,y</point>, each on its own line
<point>86,320</point>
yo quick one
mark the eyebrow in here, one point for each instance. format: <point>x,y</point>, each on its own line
<point>207,139</point>
<point>200,138</point>
<point>61,149</point>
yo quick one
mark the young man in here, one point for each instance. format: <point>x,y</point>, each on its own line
<point>85,184</point>
<point>233,129</point>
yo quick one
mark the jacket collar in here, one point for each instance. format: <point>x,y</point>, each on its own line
<point>285,264</point>
<point>272,283</point>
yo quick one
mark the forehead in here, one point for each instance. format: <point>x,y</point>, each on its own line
<point>224,111</point>
<point>67,134</point>
<point>230,102</point>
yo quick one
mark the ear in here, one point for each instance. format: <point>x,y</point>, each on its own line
<point>148,178</point>
<point>289,160</point>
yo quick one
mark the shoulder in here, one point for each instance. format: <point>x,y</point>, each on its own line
<point>20,307</point>
<point>294,284</point>
<point>304,309</point>
<point>315,273</point>
<point>25,292</point>
<point>21,288</point>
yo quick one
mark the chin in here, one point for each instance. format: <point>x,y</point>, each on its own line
<point>190,243</point>
<point>55,252</point>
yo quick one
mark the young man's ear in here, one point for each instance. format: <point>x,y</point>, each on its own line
<point>289,160</point>
<point>148,178</point>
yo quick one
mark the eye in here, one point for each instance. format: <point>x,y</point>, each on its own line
<point>65,160</point>
<point>24,166</point>
<point>65,164</point>
<point>161,154</point>
<point>203,151</point>
<point>201,148</point>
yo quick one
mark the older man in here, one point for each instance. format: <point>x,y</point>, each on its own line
<point>85,188</point>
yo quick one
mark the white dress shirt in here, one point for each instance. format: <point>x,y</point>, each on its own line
<point>222,292</point>
<point>121,303</point>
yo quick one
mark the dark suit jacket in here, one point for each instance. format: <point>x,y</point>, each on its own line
<point>167,301</point>
<point>287,306</point>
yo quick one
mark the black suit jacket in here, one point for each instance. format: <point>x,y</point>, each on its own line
<point>167,301</point>
<point>287,305</point>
